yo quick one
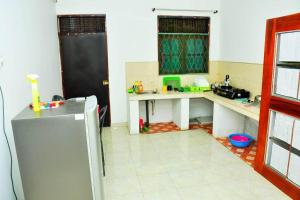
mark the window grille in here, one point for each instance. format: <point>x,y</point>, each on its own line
<point>81,24</point>
<point>183,45</point>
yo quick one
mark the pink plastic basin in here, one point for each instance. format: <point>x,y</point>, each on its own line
<point>240,138</point>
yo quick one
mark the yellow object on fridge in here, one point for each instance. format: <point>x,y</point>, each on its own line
<point>35,92</point>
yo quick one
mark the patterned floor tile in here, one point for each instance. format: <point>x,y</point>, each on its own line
<point>246,154</point>
<point>172,127</point>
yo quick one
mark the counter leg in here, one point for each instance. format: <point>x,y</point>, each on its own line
<point>133,122</point>
<point>181,114</point>
<point>226,121</point>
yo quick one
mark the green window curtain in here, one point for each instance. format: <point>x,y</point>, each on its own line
<point>183,53</point>
<point>194,55</point>
<point>199,55</point>
<point>170,57</point>
<point>175,46</point>
<point>190,55</point>
<point>165,56</point>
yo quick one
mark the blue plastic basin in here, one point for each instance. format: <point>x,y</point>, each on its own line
<point>240,140</point>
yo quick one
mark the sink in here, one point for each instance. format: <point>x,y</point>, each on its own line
<point>149,92</point>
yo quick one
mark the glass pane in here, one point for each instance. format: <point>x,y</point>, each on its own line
<point>299,93</point>
<point>294,169</point>
<point>294,165</point>
<point>287,69</point>
<point>279,158</point>
<point>279,140</point>
<point>296,137</point>
<point>289,48</point>
<point>283,127</point>
<point>287,82</point>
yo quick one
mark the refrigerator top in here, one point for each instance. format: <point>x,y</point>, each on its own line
<point>70,107</point>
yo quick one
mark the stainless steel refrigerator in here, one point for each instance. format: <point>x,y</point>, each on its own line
<point>59,152</point>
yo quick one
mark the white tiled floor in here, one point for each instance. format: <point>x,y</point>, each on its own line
<point>178,166</point>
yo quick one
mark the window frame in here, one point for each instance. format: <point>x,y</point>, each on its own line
<point>208,45</point>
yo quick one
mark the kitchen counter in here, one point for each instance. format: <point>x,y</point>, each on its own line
<point>229,116</point>
<point>245,109</point>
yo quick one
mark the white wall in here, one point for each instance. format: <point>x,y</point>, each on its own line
<point>132,35</point>
<point>28,44</point>
<point>237,32</point>
<point>243,25</point>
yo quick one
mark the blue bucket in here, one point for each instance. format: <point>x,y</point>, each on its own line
<point>240,140</point>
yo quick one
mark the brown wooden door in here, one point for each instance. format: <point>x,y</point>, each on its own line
<point>83,50</point>
<point>278,153</point>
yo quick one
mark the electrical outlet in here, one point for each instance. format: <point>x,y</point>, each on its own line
<point>1,62</point>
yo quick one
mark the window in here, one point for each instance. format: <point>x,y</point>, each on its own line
<point>183,44</point>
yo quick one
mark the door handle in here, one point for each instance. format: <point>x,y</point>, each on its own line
<point>105,82</point>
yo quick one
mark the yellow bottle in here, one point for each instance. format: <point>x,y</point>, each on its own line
<point>140,87</point>
<point>164,89</point>
<point>35,92</point>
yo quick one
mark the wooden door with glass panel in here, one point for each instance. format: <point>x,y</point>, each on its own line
<point>278,153</point>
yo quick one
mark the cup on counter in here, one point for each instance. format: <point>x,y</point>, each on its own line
<point>169,87</point>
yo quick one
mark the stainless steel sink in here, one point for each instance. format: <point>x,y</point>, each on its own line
<point>149,92</point>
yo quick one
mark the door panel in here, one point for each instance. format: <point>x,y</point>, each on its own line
<point>84,67</point>
<point>278,137</point>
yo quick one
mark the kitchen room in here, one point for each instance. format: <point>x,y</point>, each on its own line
<point>173,164</point>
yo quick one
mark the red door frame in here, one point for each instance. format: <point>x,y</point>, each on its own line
<point>281,24</point>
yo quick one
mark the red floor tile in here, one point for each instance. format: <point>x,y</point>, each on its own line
<point>163,127</point>
<point>206,127</point>
<point>172,127</point>
<point>246,154</point>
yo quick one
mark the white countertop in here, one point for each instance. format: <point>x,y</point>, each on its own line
<point>247,110</point>
<point>167,95</point>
